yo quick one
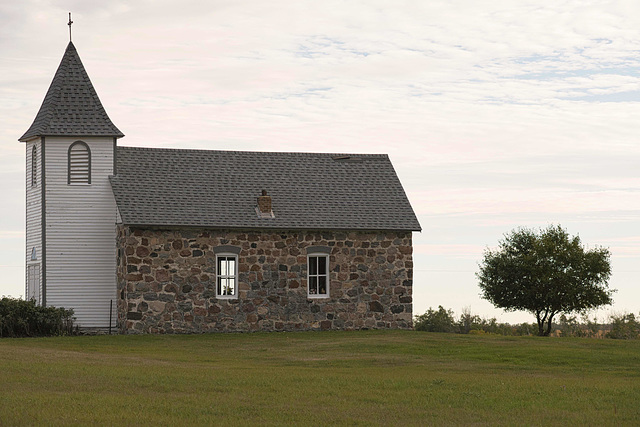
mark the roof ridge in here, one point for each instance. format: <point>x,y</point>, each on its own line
<point>302,153</point>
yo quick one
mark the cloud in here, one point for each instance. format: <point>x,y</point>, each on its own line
<point>495,114</point>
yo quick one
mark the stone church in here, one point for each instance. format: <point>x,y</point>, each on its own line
<point>149,240</point>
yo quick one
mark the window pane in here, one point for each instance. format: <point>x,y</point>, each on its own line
<point>219,286</point>
<point>231,266</point>
<point>313,285</point>
<point>322,285</point>
<point>225,287</point>
<point>222,266</point>
<point>231,289</point>
<point>322,265</point>
<point>313,265</point>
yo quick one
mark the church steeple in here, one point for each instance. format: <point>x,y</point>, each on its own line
<point>71,106</point>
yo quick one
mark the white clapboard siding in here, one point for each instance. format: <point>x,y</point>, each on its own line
<point>80,232</point>
<point>33,287</point>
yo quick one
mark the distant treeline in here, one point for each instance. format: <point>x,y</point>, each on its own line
<point>620,326</point>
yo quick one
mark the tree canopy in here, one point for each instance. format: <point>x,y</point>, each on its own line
<point>545,273</point>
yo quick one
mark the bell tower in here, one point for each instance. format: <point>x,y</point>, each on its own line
<point>71,212</point>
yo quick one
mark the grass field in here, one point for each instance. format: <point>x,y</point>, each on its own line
<point>354,378</point>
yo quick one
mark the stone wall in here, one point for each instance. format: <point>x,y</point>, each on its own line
<point>166,281</point>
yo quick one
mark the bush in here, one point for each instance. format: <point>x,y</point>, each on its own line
<point>20,318</point>
<point>624,326</point>
<point>470,322</point>
<point>570,326</point>
<point>525,329</point>
<point>435,321</point>
<point>443,320</point>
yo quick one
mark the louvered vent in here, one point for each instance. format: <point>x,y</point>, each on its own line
<point>79,163</point>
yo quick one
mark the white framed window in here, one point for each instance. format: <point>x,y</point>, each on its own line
<point>318,275</point>
<point>227,275</point>
<point>79,163</point>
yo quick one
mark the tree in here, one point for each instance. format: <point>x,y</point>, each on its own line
<point>545,273</point>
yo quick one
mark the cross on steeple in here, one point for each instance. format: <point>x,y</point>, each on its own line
<point>69,24</point>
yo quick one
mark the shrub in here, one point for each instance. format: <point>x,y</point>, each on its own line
<point>20,318</point>
<point>624,326</point>
<point>570,326</point>
<point>440,320</point>
<point>470,322</point>
<point>525,329</point>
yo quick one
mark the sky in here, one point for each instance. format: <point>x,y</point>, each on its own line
<point>495,114</point>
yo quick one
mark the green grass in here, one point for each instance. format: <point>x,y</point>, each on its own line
<point>354,378</point>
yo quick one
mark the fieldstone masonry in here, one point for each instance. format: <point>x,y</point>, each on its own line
<point>167,281</point>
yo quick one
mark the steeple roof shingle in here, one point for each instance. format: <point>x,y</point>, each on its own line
<point>71,106</point>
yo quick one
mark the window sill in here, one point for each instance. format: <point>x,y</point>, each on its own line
<point>318,296</point>
<point>226,296</point>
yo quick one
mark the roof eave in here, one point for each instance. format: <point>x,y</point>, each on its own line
<point>28,138</point>
<point>267,227</point>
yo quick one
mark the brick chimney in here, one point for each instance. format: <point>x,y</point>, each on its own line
<point>264,203</point>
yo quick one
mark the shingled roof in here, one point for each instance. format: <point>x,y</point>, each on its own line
<point>71,106</point>
<point>218,189</point>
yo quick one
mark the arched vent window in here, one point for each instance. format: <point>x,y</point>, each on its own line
<point>79,163</point>
<point>34,166</point>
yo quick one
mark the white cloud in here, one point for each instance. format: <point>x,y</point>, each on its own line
<point>492,112</point>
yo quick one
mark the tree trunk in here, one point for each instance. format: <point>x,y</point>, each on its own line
<point>543,321</point>
<point>549,325</point>
<point>540,324</point>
